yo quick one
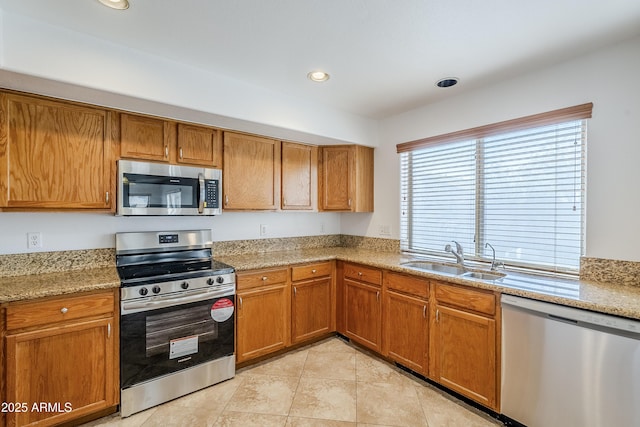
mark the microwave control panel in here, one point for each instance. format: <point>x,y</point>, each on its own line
<point>211,193</point>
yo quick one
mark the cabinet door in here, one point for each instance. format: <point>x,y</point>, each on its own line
<point>251,177</point>
<point>311,309</point>
<point>146,138</point>
<point>464,354</point>
<point>363,315</point>
<point>406,331</point>
<point>336,178</point>
<point>53,154</point>
<point>298,171</point>
<point>262,321</point>
<point>198,145</point>
<point>69,368</point>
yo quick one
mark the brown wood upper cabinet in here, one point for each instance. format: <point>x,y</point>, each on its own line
<point>299,176</point>
<point>346,178</point>
<point>251,177</point>
<point>54,154</point>
<point>160,140</point>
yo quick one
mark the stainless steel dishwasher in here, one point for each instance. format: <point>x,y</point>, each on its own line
<point>568,367</point>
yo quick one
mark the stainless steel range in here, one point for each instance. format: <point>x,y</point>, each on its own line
<point>176,325</point>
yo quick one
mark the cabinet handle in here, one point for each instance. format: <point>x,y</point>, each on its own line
<point>180,153</point>
<point>109,330</point>
<point>295,291</point>
<point>437,315</point>
<point>264,278</point>
<point>349,202</point>
<point>284,202</point>
<point>63,310</point>
<point>107,198</point>
<point>240,300</point>
<point>313,271</point>
<point>226,200</point>
<point>166,151</point>
<point>378,296</point>
<point>424,311</point>
<point>359,273</point>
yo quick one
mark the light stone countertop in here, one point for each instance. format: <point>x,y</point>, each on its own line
<point>32,286</point>
<point>617,299</point>
<point>611,298</point>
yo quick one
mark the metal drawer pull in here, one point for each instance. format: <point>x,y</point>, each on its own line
<point>313,271</point>
<point>180,152</point>
<point>359,273</point>
<point>378,296</point>
<point>109,330</point>
<point>63,310</point>
<point>437,315</point>
<point>424,311</point>
<point>166,151</point>
<point>264,278</point>
<point>107,198</point>
<point>295,291</point>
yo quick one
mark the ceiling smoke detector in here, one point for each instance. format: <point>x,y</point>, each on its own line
<point>116,4</point>
<point>318,76</point>
<point>447,82</point>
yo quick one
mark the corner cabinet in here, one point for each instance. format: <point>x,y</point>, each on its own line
<point>251,176</point>
<point>345,178</point>
<point>54,154</point>
<point>464,354</point>
<point>61,358</point>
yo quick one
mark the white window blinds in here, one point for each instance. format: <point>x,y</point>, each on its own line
<point>520,190</point>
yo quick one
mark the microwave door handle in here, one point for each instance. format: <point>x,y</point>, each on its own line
<point>202,194</point>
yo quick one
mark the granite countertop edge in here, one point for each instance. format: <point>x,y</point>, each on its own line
<point>608,298</point>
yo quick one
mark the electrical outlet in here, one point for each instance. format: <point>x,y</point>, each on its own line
<point>34,240</point>
<point>322,228</point>
<point>384,230</point>
<point>263,229</point>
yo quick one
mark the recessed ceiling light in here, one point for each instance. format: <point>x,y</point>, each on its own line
<point>447,82</point>
<point>116,4</point>
<point>318,76</point>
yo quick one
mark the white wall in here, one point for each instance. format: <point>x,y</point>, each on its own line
<point>608,78</point>
<point>69,231</point>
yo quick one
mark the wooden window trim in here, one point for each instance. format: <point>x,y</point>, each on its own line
<point>577,112</point>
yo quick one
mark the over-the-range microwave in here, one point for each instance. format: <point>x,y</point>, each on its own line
<point>160,189</point>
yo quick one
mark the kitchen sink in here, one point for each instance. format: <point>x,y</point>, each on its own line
<point>433,266</point>
<point>481,275</point>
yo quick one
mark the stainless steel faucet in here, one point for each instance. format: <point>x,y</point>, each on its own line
<point>458,253</point>
<point>494,264</point>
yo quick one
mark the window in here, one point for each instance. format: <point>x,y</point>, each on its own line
<point>518,185</point>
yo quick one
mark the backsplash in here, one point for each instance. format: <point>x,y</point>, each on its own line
<point>610,271</point>
<point>52,262</point>
<point>240,247</point>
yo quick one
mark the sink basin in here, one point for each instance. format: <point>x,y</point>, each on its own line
<point>433,266</point>
<point>481,275</point>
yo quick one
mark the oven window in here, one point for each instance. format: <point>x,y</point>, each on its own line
<point>180,332</point>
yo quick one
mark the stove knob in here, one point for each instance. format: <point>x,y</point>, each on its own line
<point>210,282</point>
<point>185,285</point>
<point>143,291</point>
<point>156,289</point>
<point>220,279</point>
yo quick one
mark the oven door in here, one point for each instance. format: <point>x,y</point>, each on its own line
<point>162,336</point>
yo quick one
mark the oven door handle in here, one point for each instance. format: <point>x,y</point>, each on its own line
<point>129,307</point>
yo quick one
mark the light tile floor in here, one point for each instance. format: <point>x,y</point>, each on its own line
<point>330,383</point>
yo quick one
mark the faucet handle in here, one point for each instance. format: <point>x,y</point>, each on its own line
<point>447,248</point>
<point>458,247</point>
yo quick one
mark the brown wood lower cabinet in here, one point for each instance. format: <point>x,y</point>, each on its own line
<point>262,321</point>
<point>363,305</point>
<point>312,301</point>
<point>61,358</point>
<point>464,353</point>
<point>406,321</point>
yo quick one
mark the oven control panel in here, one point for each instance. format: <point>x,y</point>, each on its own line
<point>221,282</point>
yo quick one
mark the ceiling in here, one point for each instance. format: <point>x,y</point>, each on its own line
<point>384,56</point>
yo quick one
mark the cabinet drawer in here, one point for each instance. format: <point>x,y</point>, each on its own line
<point>408,284</point>
<point>311,271</point>
<point>469,299</point>
<point>253,279</point>
<point>362,273</point>
<point>51,310</point>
